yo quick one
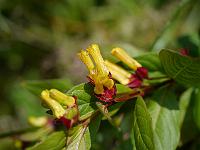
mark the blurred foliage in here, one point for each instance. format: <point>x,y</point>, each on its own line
<point>39,39</point>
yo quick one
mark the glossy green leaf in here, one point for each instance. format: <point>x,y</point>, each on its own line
<point>183,69</point>
<point>79,138</point>
<point>85,98</point>
<point>165,115</point>
<point>37,86</point>
<point>150,61</point>
<point>142,133</point>
<point>196,109</point>
<point>55,141</point>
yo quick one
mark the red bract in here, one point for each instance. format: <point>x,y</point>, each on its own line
<point>135,81</point>
<point>67,122</point>
<point>184,52</point>
<point>142,73</point>
<point>108,94</point>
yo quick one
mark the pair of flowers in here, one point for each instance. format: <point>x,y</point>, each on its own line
<point>101,76</point>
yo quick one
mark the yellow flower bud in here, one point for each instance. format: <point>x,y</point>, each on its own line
<point>38,121</point>
<point>94,51</point>
<point>118,73</point>
<point>125,58</point>
<point>56,108</point>
<point>62,98</point>
<point>85,58</point>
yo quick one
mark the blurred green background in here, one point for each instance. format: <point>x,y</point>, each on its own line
<point>40,39</point>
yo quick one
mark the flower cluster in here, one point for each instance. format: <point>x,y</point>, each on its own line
<point>133,80</point>
<point>63,107</point>
<point>99,75</point>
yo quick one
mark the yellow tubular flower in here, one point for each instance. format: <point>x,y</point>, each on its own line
<point>124,57</point>
<point>98,72</point>
<point>118,73</point>
<point>85,58</point>
<point>56,108</point>
<point>62,98</point>
<point>94,51</point>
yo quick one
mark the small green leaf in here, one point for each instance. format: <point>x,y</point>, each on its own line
<point>121,89</point>
<point>196,109</point>
<point>55,141</point>
<point>79,138</point>
<point>183,69</point>
<point>165,115</point>
<point>37,86</point>
<point>86,99</point>
<point>142,132</point>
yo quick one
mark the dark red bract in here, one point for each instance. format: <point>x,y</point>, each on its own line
<point>136,78</point>
<point>142,73</point>
<point>135,81</point>
<point>108,94</point>
<point>68,123</point>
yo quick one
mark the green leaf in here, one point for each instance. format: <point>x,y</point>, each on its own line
<point>55,141</point>
<point>85,98</point>
<point>36,135</point>
<point>79,138</point>
<point>189,122</point>
<point>183,69</point>
<point>94,127</point>
<point>142,133</point>
<point>37,86</point>
<point>150,61</point>
<point>196,109</point>
<point>121,89</point>
<point>165,115</point>
<point>184,103</point>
